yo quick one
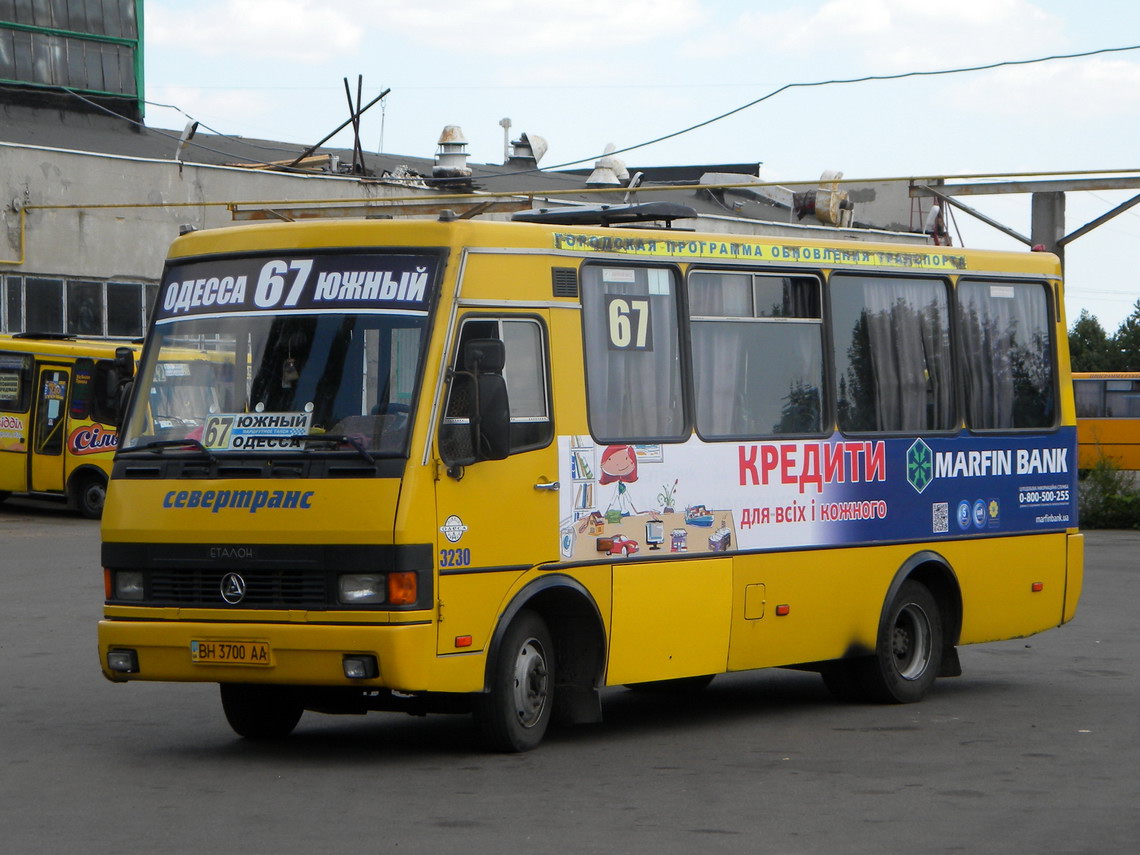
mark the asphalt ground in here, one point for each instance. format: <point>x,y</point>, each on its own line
<point>1034,749</point>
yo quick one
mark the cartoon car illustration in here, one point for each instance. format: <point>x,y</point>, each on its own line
<point>624,545</point>
<point>698,515</point>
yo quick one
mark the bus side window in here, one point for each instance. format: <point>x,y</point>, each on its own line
<point>891,338</point>
<point>1089,395</point>
<point>739,321</point>
<point>82,376</point>
<point>631,334</point>
<point>525,373</point>
<point>15,382</point>
<point>1007,355</point>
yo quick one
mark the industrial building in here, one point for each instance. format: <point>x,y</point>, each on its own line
<point>91,197</point>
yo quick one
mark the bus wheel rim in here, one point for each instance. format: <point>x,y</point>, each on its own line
<point>910,641</point>
<point>531,689</point>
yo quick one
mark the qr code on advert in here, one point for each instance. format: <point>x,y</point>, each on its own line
<point>941,517</point>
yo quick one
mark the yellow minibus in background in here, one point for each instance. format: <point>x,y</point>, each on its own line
<point>1108,418</point>
<point>57,417</point>
<point>498,466</point>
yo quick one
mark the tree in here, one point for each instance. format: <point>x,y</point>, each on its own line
<point>1090,348</point>
<point>1127,342</point>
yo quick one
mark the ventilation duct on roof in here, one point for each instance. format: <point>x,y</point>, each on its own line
<point>527,151</point>
<point>451,156</point>
<point>609,171</point>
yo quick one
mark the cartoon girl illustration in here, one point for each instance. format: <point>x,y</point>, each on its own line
<point>619,463</point>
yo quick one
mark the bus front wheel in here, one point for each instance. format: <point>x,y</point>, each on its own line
<point>261,712</point>
<point>908,651</point>
<point>514,714</point>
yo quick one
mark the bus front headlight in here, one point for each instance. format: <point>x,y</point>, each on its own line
<point>128,585</point>
<point>361,588</point>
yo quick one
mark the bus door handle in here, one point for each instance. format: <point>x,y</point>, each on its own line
<point>551,486</point>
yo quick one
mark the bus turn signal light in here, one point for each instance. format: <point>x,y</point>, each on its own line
<point>782,610</point>
<point>402,588</point>
<point>1038,587</point>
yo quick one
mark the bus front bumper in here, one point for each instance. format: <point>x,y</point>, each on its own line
<point>392,656</point>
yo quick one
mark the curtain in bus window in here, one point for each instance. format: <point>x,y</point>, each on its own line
<point>1121,399</point>
<point>633,369</point>
<point>892,354</point>
<point>1089,397</point>
<point>1007,351</point>
<point>757,355</point>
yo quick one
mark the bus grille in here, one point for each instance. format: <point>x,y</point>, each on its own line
<point>263,588</point>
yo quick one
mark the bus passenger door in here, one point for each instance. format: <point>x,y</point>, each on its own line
<point>49,430</point>
<point>495,519</point>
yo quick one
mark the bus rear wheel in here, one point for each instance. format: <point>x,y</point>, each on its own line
<point>261,712</point>
<point>91,495</point>
<point>514,714</point>
<point>908,651</point>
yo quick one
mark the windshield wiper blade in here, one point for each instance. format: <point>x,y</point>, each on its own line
<point>156,446</point>
<point>339,438</point>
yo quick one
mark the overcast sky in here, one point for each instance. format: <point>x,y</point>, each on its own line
<point>584,73</point>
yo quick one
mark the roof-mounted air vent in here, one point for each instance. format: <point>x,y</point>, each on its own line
<point>608,215</point>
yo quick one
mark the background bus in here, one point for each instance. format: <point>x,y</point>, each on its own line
<point>1108,418</point>
<point>57,414</point>
<point>498,466</point>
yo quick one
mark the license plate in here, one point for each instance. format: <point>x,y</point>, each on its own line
<point>231,652</point>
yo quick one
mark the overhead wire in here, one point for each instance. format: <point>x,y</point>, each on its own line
<point>160,133</point>
<point>671,135</point>
<point>833,82</point>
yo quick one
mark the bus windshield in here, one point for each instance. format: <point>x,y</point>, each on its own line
<point>257,354</point>
<point>254,383</point>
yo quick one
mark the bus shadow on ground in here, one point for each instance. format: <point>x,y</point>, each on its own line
<point>771,697</point>
<point>730,699</point>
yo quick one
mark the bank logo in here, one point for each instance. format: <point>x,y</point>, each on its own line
<point>964,514</point>
<point>980,514</point>
<point>919,465</point>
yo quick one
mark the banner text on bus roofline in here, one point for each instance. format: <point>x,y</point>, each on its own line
<point>747,250</point>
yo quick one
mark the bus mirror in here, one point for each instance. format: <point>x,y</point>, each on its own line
<point>124,374</point>
<point>124,363</point>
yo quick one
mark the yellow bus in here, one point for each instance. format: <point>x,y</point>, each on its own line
<point>500,466</point>
<point>57,417</point>
<point>1108,418</point>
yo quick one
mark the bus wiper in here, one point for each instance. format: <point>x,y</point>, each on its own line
<point>341,439</point>
<point>156,446</point>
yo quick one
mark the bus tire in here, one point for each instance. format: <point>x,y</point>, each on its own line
<point>261,712</point>
<point>90,495</point>
<point>514,713</point>
<point>908,651</point>
<point>4,495</point>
